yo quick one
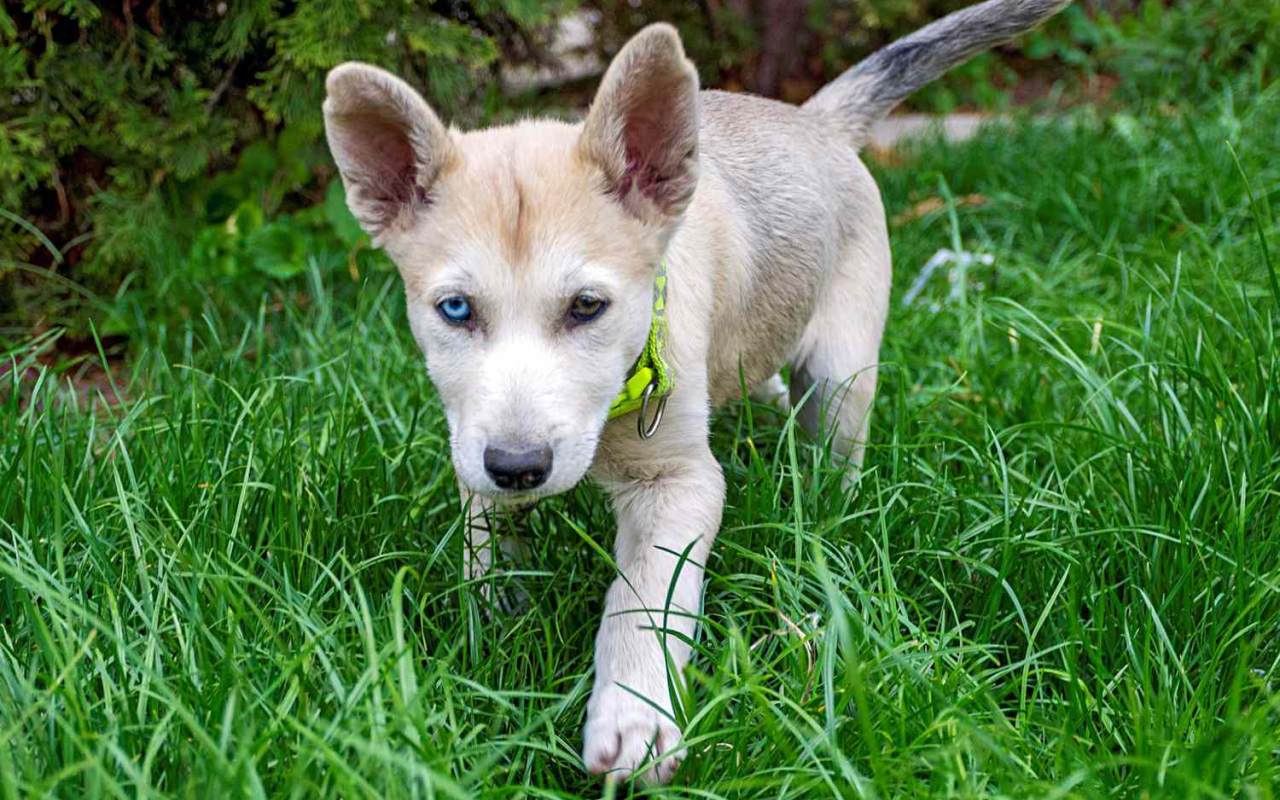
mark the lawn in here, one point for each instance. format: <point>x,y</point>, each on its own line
<point>240,574</point>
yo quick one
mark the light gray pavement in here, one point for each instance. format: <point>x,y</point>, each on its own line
<point>955,127</point>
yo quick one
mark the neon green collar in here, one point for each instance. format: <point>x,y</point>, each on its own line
<point>650,378</point>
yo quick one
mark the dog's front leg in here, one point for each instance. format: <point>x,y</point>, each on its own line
<point>483,544</point>
<point>478,555</point>
<point>667,519</point>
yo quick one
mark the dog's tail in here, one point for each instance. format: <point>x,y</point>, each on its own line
<point>871,89</point>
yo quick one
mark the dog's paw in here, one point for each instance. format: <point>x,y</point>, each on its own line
<point>504,598</point>
<point>624,733</point>
<point>773,391</point>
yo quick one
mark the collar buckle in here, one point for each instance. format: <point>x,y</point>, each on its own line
<point>649,382</point>
<point>648,429</point>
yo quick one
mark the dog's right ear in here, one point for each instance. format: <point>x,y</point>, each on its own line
<point>387,142</point>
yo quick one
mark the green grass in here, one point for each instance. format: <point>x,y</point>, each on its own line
<point>1058,577</point>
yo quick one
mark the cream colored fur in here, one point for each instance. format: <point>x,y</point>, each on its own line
<point>777,253</point>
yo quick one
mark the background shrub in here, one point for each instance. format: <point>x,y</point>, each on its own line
<point>138,129</point>
<point>168,148</point>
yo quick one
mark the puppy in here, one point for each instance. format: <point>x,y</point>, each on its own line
<point>543,262</point>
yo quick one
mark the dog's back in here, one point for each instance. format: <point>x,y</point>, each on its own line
<point>799,196</point>
<point>805,207</point>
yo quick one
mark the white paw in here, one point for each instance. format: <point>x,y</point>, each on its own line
<point>624,733</point>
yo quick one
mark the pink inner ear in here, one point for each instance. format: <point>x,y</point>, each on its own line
<point>640,176</point>
<point>391,163</point>
<point>384,168</point>
<point>659,133</point>
<point>650,164</point>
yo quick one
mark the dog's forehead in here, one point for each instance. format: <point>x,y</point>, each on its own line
<point>523,187</point>
<point>521,204</point>
<point>481,266</point>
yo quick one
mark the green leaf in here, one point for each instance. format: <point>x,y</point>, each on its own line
<point>451,41</point>
<point>246,220</point>
<point>278,249</point>
<point>340,218</point>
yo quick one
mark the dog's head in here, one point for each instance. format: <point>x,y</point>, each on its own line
<point>528,252</point>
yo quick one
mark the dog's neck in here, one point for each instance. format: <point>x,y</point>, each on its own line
<point>649,381</point>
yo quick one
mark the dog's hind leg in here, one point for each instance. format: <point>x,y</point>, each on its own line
<point>837,359</point>
<point>773,391</point>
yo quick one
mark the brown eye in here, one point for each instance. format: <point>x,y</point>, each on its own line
<point>586,308</point>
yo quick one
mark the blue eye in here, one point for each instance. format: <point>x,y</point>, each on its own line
<point>455,309</point>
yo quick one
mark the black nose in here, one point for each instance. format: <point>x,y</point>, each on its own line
<point>521,468</point>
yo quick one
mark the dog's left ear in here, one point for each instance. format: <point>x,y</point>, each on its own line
<point>642,129</point>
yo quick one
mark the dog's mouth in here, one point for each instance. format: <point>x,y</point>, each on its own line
<point>518,502</point>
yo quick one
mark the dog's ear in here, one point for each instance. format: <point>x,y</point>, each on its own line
<point>642,129</point>
<point>387,142</point>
